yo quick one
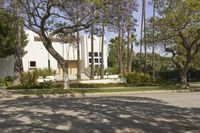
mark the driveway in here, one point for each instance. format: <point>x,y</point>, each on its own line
<point>138,113</point>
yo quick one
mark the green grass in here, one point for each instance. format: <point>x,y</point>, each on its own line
<point>94,90</point>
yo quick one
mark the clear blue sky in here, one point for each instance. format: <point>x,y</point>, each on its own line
<point>149,12</point>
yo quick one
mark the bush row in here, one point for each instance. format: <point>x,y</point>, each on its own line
<point>138,78</point>
<point>174,75</point>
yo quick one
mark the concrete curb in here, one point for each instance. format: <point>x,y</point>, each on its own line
<point>78,95</point>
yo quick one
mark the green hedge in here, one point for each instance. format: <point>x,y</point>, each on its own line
<point>138,78</point>
<point>174,75</point>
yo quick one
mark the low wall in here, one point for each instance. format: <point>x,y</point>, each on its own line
<point>7,66</point>
<point>104,81</point>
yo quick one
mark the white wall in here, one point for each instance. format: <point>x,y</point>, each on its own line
<point>37,52</point>
<point>86,46</point>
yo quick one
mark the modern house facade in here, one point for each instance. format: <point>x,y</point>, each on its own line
<point>37,57</point>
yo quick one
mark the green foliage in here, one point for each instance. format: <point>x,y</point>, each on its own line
<point>2,82</point>
<point>169,75</point>
<point>7,35</point>
<point>31,77</point>
<point>137,78</point>
<point>174,75</point>
<point>177,28</point>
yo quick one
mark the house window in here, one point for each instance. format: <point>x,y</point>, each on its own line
<point>32,63</point>
<point>90,60</point>
<point>90,54</point>
<point>96,60</point>
<point>96,54</point>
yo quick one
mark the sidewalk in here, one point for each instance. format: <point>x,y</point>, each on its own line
<point>7,95</point>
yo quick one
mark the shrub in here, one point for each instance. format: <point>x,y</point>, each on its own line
<point>29,78</point>
<point>138,78</point>
<point>173,75</point>
<point>32,76</point>
<point>2,82</point>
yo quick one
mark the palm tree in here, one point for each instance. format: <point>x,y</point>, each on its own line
<point>153,47</point>
<point>145,42</point>
<point>78,57</point>
<point>102,51</point>
<point>142,31</point>
<point>92,53</point>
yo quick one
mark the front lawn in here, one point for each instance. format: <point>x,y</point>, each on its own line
<point>94,90</point>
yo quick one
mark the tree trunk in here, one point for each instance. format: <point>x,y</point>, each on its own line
<point>66,77</point>
<point>145,42</point>
<point>120,52</point>
<point>183,76</point>
<point>48,45</point>
<point>131,57</point>
<point>102,52</point>
<point>123,52</point>
<point>18,67</point>
<point>141,35</point>
<point>129,53</point>
<point>78,58</point>
<point>153,47</point>
<point>92,52</point>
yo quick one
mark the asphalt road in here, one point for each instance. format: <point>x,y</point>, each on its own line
<point>138,113</point>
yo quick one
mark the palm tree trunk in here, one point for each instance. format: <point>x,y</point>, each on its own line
<point>153,47</point>
<point>129,53</point>
<point>123,56</point>
<point>141,34</point>
<point>92,52</point>
<point>120,51</point>
<point>78,57</point>
<point>145,42</point>
<point>102,52</point>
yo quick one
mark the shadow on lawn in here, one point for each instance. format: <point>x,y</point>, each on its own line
<point>96,115</point>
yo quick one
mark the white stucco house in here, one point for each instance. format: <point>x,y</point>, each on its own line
<point>38,57</point>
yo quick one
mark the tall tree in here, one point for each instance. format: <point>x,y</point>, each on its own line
<point>145,41</point>
<point>48,18</point>
<point>102,51</point>
<point>153,46</point>
<point>7,41</point>
<point>92,53</point>
<point>141,33</point>
<point>178,27</point>
<point>78,57</point>
<point>123,15</point>
<point>18,67</point>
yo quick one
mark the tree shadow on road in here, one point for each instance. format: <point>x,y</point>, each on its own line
<point>96,115</point>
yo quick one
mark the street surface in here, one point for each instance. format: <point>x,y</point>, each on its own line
<point>138,113</point>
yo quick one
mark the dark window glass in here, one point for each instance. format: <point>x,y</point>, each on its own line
<point>90,60</point>
<point>96,60</point>
<point>90,54</point>
<point>32,63</point>
<point>96,54</point>
<point>100,54</point>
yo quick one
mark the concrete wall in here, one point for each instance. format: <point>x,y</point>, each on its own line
<point>104,81</point>
<point>7,66</point>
